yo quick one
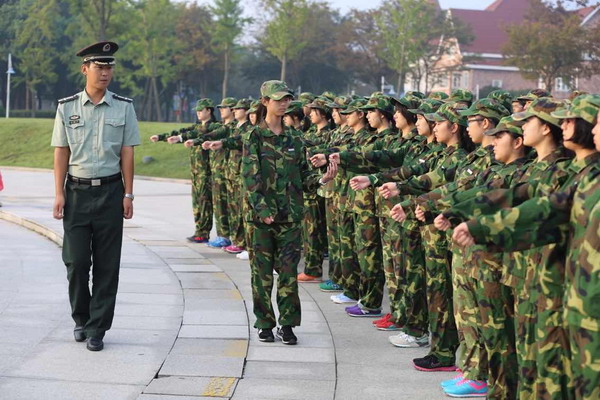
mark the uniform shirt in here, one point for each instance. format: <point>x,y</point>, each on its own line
<point>95,133</point>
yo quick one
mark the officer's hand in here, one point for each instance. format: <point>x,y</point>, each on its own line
<point>127,208</point>
<point>216,145</point>
<point>462,236</point>
<point>420,214</point>
<point>318,160</point>
<point>360,182</point>
<point>398,213</point>
<point>154,138</point>
<point>441,223</point>
<point>389,190</point>
<point>268,220</point>
<point>173,139</point>
<point>59,207</point>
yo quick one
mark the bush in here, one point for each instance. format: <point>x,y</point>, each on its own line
<point>27,113</point>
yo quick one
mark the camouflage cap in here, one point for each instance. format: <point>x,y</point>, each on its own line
<point>320,103</point>
<point>227,102</point>
<point>408,101</point>
<point>461,95</point>
<point>355,105</point>
<point>242,103</point>
<point>450,111</point>
<point>340,102</point>
<point>295,105</point>
<point>204,103</point>
<point>534,94</point>
<point>381,103</point>
<point>489,108</point>
<point>585,107</point>
<point>329,95</point>
<point>375,94</point>
<point>437,96</point>
<point>306,97</point>
<point>503,96</point>
<point>507,124</point>
<point>543,109</point>
<point>275,90</point>
<point>414,93</point>
<point>427,106</point>
<point>253,106</point>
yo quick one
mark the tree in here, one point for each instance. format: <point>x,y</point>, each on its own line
<point>229,25</point>
<point>96,13</point>
<point>36,34</point>
<point>284,35</point>
<point>551,43</point>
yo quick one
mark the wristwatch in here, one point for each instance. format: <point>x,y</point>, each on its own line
<point>129,196</point>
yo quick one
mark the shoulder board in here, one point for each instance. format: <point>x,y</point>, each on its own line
<point>68,99</point>
<point>127,99</point>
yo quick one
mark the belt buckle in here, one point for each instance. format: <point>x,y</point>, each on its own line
<point>96,182</point>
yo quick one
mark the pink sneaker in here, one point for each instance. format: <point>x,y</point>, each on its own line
<point>233,249</point>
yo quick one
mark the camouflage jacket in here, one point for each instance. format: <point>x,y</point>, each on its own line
<point>275,175</point>
<point>233,146</point>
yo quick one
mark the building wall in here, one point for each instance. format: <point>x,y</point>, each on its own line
<point>511,80</point>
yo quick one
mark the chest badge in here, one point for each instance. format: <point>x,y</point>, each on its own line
<point>74,119</point>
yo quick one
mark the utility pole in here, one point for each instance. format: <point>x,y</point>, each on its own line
<point>10,71</point>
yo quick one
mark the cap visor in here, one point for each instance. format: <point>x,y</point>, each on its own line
<point>563,114</point>
<point>522,116</point>
<point>434,117</point>
<point>280,95</point>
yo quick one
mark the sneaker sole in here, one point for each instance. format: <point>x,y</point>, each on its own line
<point>410,346</point>
<point>289,342</point>
<point>232,252</point>
<point>344,302</point>
<point>267,340</point>
<point>438,369</point>
<point>365,315</point>
<point>390,329</point>
<point>465,395</point>
<point>311,281</point>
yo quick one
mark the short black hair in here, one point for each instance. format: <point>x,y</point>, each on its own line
<point>583,134</point>
<point>408,116</point>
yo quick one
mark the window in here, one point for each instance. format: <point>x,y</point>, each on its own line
<point>457,81</point>
<point>497,83</point>
<point>561,85</point>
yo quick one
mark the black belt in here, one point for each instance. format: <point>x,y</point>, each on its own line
<point>95,181</point>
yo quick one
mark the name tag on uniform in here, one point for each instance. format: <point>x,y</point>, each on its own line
<point>291,150</point>
<point>74,119</point>
<point>469,171</point>
<point>421,160</point>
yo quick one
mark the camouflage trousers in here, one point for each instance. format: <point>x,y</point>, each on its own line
<point>585,347</point>
<point>201,198</point>
<point>275,247</point>
<point>413,306</point>
<point>221,208</point>
<point>554,381</point>
<point>525,343</point>
<point>333,240</point>
<point>236,215</point>
<point>496,309</point>
<point>392,252</point>
<point>367,241</point>
<point>350,268</point>
<point>473,360</point>
<point>314,234</point>
<point>444,335</point>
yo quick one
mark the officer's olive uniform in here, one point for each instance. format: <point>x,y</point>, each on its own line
<point>93,212</point>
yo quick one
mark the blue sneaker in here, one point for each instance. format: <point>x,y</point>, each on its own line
<point>329,286</point>
<point>219,242</point>
<point>453,381</point>
<point>467,388</point>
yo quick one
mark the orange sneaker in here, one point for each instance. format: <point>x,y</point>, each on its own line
<point>302,277</point>
<point>385,318</point>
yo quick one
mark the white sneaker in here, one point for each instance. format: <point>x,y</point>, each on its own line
<point>342,299</point>
<point>405,340</point>
<point>243,255</point>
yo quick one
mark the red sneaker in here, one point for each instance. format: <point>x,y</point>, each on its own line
<point>388,326</point>
<point>302,277</point>
<point>233,249</point>
<point>385,318</point>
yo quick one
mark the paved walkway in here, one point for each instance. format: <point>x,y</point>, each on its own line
<point>183,322</point>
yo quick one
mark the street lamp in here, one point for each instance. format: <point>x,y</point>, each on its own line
<point>10,71</point>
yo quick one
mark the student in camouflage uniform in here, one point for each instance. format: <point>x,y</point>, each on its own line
<point>275,175</point>
<point>200,168</point>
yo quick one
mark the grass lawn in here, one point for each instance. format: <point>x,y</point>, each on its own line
<point>25,142</point>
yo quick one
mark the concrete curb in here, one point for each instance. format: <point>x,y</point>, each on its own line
<point>33,226</point>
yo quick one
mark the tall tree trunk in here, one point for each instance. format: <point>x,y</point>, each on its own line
<point>283,67</point>
<point>146,103</point>
<point>548,82</point>
<point>156,100</point>
<point>401,79</point>
<point>33,102</point>
<point>225,74</point>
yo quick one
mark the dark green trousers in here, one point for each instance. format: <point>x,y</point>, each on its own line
<point>93,224</point>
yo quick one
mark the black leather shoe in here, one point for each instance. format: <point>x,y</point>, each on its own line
<point>94,344</point>
<point>79,334</point>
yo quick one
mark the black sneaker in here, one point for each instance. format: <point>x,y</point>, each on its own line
<point>286,335</point>
<point>266,335</point>
<point>95,344</point>
<point>430,363</point>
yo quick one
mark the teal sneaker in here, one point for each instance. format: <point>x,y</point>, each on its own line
<point>467,388</point>
<point>453,381</point>
<point>329,286</point>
